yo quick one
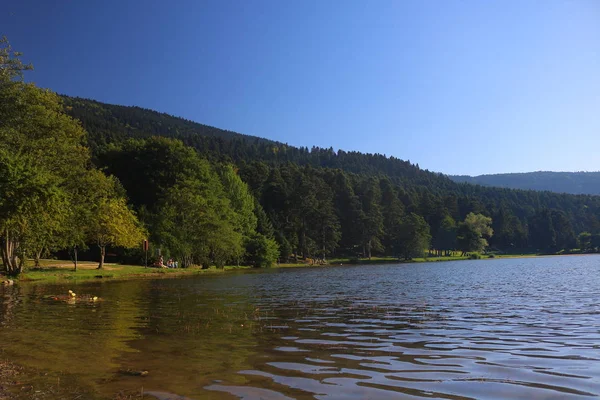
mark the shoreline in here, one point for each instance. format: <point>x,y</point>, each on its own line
<point>61,271</point>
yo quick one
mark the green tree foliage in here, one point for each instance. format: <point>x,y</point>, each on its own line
<point>198,226</point>
<point>32,201</point>
<point>414,237</point>
<point>551,230</point>
<point>467,239</point>
<point>393,217</point>
<point>114,225</point>
<point>473,233</point>
<point>445,239</point>
<point>47,199</point>
<point>371,223</point>
<point>287,182</point>
<point>324,223</point>
<point>41,153</point>
<point>565,235</point>
<point>264,226</point>
<point>241,200</point>
<point>11,66</point>
<point>541,231</point>
<point>585,241</point>
<point>192,212</point>
<point>348,209</point>
<point>509,232</point>
<point>595,242</point>
<point>293,185</point>
<point>261,251</point>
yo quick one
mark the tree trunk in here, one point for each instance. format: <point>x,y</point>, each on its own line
<point>102,254</point>
<point>36,258</point>
<point>303,244</point>
<point>369,248</point>
<point>13,264</point>
<point>75,257</point>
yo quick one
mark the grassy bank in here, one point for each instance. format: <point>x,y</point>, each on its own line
<point>55,271</point>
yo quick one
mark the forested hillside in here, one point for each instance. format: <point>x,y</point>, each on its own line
<point>318,202</point>
<point>110,123</point>
<point>559,182</point>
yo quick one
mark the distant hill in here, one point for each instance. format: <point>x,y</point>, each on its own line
<point>559,182</point>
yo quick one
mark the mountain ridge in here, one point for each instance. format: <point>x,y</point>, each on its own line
<point>580,182</point>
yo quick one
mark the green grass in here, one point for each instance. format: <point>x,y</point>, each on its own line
<point>55,271</point>
<point>62,271</point>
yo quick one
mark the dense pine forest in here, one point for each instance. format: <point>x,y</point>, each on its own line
<point>320,202</point>
<point>77,174</point>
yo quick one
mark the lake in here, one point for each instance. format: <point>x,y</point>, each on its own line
<point>492,329</point>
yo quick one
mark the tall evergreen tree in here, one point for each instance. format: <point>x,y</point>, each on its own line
<point>372,221</point>
<point>414,236</point>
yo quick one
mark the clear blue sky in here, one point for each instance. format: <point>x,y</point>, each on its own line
<point>464,87</point>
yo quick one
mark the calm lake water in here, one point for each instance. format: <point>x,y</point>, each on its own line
<point>492,329</point>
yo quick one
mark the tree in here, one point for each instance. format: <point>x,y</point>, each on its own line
<point>285,248</point>
<point>550,230</point>
<point>41,157</point>
<point>197,224</point>
<point>565,236</point>
<point>325,226</point>
<point>414,236</point>
<point>261,251</point>
<point>541,231</point>
<point>595,241</point>
<point>445,240</point>
<point>193,213</point>
<point>114,224</point>
<point>32,200</point>
<point>473,233</point>
<point>393,215</point>
<point>240,199</point>
<point>242,203</point>
<point>585,242</point>
<point>264,226</point>
<point>348,209</point>
<point>11,66</point>
<point>372,221</point>
<point>467,239</point>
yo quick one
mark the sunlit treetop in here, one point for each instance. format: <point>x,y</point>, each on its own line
<point>11,66</point>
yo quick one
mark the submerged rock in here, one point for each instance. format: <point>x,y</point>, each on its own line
<point>132,372</point>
